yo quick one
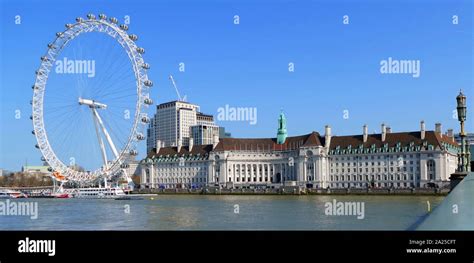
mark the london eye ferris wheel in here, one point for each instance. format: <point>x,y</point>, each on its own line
<point>90,100</point>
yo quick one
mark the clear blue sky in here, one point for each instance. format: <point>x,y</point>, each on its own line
<point>246,65</point>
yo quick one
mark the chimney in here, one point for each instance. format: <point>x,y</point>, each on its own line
<point>389,130</point>
<point>191,144</point>
<point>450,134</point>
<point>384,132</point>
<point>422,130</point>
<point>327,136</point>
<point>365,131</point>
<point>438,129</point>
<point>158,146</point>
<point>215,141</point>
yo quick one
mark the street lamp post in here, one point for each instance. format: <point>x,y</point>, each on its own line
<point>464,156</point>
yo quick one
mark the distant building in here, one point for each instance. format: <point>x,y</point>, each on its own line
<point>204,119</point>
<point>4,172</point>
<point>176,122</point>
<point>133,166</point>
<point>205,130</point>
<point>151,133</point>
<point>31,169</point>
<point>204,134</point>
<point>386,160</point>
<point>223,133</point>
<point>173,121</point>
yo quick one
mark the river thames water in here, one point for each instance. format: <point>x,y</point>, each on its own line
<point>231,212</point>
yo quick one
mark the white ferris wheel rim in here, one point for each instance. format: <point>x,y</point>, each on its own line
<point>142,85</point>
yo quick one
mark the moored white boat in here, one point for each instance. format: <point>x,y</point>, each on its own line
<point>97,192</point>
<point>8,193</point>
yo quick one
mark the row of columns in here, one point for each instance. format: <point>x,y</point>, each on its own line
<point>298,171</point>
<point>218,172</point>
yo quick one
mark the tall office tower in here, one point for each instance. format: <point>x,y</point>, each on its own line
<point>173,121</point>
<point>176,122</point>
<point>151,135</point>
<point>171,124</point>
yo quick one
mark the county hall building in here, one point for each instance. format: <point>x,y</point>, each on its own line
<point>423,158</point>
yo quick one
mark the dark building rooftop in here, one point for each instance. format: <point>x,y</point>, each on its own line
<point>401,139</point>
<point>392,139</point>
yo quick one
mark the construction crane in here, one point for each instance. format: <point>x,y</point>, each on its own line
<point>176,88</point>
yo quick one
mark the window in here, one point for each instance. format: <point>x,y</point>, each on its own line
<point>431,169</point>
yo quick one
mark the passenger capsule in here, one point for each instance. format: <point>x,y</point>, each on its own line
<point>124,27</point>
<point>145,119</point>
<point>133,37</point>
<point>148,83</point>
<point>113,20</point>
<point>44,58</point>
<point>133,152</point>
<point>140,136</point>
<point>124,166</point>
<point>68,26</point>
<point>51,46</point>
<point>91,16</point>
<point>33,132</point>
<point>59,34</point>
<point>146,66</point>
<point>140,50</point>
<point>148,101</point>
<point>79,20</point>
<point>43,159</point>
<point>37,146</point>
<point>102,16</point>
<point>50,169</point>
